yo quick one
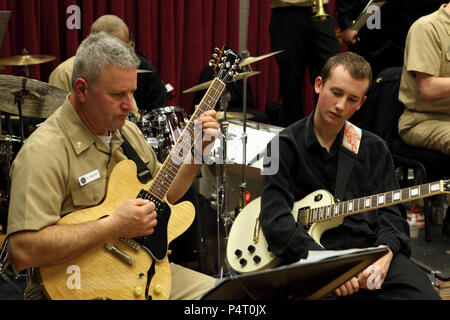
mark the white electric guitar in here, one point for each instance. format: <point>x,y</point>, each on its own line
<point>247,248</point>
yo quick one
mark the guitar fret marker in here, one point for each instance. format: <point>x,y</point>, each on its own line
<point>435,187</point>
<point>381,199</point>
<point>368,202</point>
<point>396,196</point>
<point>414,192</point>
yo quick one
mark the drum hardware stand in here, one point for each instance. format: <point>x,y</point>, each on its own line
<point>222,181</point>
<point>19,98</point>
<point>243,186</point>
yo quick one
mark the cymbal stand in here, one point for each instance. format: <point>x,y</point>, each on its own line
<point>243,186</point>
<point>222,179</point>
<point>19,98</point>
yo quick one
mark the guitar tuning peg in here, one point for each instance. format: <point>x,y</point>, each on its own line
<point>211,63</point>
<point>217,50</point>
<point>215,56</point>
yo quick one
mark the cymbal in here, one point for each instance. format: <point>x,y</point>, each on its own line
<point>40,102</point>
<point>26,60</point>
<point>205,85</point>
<point>232,115</point>
<point>143,71</point>
<point>250,60</point>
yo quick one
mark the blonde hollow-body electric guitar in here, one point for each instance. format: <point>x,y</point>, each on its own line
<point>247,248</point>
<point>136,268</point>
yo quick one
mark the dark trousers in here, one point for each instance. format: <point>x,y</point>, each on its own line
<point>404,281</point>
<point>306,43</point>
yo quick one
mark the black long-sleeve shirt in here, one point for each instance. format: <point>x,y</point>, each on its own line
<point>305,166</point>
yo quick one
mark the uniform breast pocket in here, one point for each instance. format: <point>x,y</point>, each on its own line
<point>90,194</point>
<point>447,64</point>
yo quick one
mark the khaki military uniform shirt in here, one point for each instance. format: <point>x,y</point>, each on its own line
<point>428,51</point>
<point>61,77</point>
<point>45,174</point>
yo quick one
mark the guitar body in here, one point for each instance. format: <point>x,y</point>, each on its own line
<point>99,273</point>
<point>247,248</point>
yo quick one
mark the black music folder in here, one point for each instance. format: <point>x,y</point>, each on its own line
<point>309,279</point>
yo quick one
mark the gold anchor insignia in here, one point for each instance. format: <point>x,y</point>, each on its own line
<point>79,145</point>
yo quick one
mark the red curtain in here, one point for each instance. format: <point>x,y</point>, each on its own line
<point>265,86</point>
<point>177,36</point>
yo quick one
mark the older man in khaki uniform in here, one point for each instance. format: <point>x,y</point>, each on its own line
<point>425,83</point>
<point>66,164</point>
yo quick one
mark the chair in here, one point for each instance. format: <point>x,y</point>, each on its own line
<point>380,114</point>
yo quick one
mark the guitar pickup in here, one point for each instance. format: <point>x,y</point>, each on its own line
<point>120,253</point>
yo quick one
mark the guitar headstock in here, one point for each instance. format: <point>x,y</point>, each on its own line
<point>226,64</point>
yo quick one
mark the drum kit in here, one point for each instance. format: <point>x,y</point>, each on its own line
<point>22,97</point>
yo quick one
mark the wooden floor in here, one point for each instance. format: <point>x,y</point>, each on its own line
<point>444,290</point>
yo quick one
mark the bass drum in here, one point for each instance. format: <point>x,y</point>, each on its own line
<point>162,127</point>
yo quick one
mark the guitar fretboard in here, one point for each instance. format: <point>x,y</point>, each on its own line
<point>368,203</point>
<point>182,148</point>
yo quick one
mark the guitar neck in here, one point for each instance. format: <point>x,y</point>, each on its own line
<point>182,148</point>
<point>373,202</point>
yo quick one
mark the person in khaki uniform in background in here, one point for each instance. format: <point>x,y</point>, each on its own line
<point>83,136</point>
<point>61,77</point>
<point>425,87</point>
<point>425,83</point>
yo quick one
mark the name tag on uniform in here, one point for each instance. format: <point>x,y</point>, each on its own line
<point>89,177</point>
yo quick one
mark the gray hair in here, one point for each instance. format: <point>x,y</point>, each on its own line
<point>98,51</point>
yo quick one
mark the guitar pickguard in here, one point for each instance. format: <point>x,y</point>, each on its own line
<point>157,243</point>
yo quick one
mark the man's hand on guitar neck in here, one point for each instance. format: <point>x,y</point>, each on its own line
<point>371,278</point>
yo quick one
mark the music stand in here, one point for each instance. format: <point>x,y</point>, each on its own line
<point>298,281</point>
<point>4,19</point>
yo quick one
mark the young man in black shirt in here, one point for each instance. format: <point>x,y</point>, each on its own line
<point>307,155</point>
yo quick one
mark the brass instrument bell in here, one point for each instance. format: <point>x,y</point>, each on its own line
<point>320,12</point>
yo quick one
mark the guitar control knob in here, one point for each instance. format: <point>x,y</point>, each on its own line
<point>138,291</point>
<point>243,262</point>
<point>256,259</point>
<point>238,253</point>
<point>157,289</point>
<point>251,249</point>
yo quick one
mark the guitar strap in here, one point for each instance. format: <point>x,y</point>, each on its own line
<point>143,174</point>
<point>348,152</point>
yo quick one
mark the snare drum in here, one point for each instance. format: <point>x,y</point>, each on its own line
<point>162,127</point>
